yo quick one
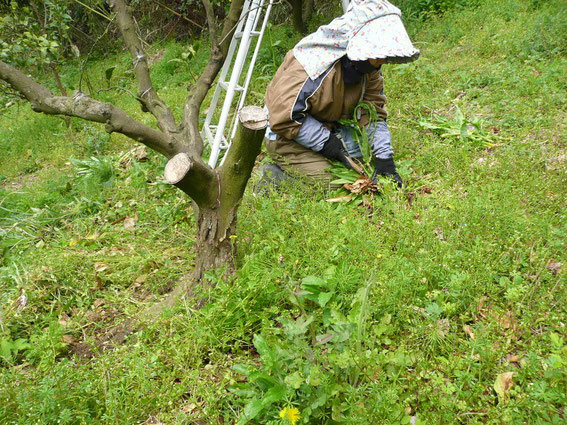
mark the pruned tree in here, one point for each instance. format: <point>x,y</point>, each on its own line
<point>215,193</point>
<point>301,12</point>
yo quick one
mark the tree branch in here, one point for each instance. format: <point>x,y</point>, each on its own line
<point>211,22</point>
<point>195,178</point>
<point>230,25</point>
<point>146,93</point>
<point>194,101</point>
<point>241,156</point>
<point>83,106</point>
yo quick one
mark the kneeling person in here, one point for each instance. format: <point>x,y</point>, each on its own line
<point>324,78</point>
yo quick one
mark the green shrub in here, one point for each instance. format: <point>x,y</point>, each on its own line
<point>419,9</point>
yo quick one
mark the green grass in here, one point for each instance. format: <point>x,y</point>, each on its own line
<point>430,295</point>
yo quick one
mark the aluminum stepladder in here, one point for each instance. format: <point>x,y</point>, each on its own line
<point>217,136</point>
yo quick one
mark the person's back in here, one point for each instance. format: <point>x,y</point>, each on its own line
<point>324,78</point>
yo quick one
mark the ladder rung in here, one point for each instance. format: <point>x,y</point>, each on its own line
<point>211,130</point>
<point>224,85</point>
<point>239,34</point>
<point>209,133</point>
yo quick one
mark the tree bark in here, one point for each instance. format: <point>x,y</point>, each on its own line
<point>219,51</point>
<point>308,8</point>
<point>297,16</point>
<point>194,177</point>
<point>215,246</point>
<point>146,93</point>
<point>216,216</point>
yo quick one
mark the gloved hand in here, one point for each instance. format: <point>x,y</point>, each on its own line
<point>334,150</point>
<point>387,168</point>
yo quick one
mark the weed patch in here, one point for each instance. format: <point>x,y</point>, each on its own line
<point>442,303</point>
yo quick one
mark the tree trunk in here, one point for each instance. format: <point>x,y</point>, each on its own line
<point>214,245</point>
<point>217,207</point>
<point>297,16</point>
<point>308,8</point>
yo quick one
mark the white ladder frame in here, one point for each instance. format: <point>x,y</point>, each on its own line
<point>246,28</point>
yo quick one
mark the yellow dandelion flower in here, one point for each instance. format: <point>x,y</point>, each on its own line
<point>290,415</point>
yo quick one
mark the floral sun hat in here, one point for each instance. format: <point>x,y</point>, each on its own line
<point>370,29</point>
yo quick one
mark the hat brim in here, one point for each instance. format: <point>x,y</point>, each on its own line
<point>382,38</point>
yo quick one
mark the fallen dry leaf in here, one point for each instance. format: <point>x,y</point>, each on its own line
<point>141,154</point>
<point>481,308</point>
<point>502,386</point>
<point>100,267</point>
<point>554,267</point>
<point>130,222</point>
<point>188,408</point>
<point>508,321</point>
<point>98,302</point>
<point>68,339</point>
<point>20,303</point>
<point>93,316</point>
<point>152,420</point>
<point>443,327</point>
<point>468,331</point>
<point>64,319</point>
<point>410,197</point>
<point>439,233</point>
<point>140,279</point>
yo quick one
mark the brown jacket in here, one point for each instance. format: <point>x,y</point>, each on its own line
<point>292,94</point>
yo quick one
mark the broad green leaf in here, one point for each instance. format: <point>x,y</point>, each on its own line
<point>244,369</point>
<point>324,298</point>
<point>459,116</point>
<point>341,181</point>
<point>268,355</point>
<point>313,282</point>
<point>20,344</point>
<point>314,378</point>
<point>556,339</point>
<point>464,131</point>
<point>298,326</point>
<point>294,380</point>
<point>263,380</point>
<point>108,73</point>
<point>6,349</point>
<point>252,409</point>
<point>273,395</point>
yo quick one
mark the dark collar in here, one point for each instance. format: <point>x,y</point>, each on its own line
<point>353,71</point>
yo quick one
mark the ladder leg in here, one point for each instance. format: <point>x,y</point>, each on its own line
<point>238,65</point>
<point>226,68</point>
<point>242,94</point>
<point>253,62</point>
